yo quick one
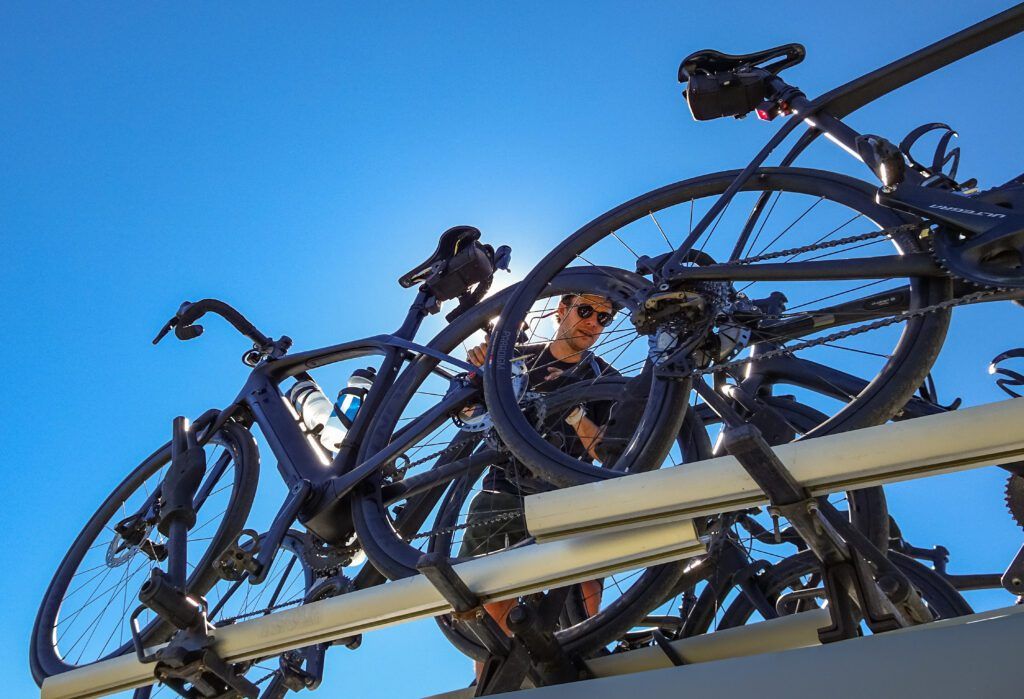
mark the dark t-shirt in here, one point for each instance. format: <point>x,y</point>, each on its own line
<point>548,374</point>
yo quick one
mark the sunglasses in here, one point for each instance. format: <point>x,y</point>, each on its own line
<point>604,319</point>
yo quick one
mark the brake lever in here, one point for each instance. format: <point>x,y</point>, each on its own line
<point>166,329</point>
<point>503,258</point>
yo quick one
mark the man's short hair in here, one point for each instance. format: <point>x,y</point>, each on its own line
<point>567,299</point>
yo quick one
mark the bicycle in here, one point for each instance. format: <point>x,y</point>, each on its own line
<point>374,496</point>
<point>697,321</point>
<point>707,299</point>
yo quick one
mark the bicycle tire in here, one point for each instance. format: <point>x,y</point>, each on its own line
<point>941,597</point>
<point>386,547</point>
<point>45,657</point>
<point>578,632</point>
<point>904,370</point>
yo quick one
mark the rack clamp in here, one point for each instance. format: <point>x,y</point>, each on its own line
<point>188,664</point>
<point>850,562</point>
<point>1013,579</point>
<point>467,607</point>
<point>531,653</point>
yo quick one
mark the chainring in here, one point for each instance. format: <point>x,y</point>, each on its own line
<point>1000,268</point>
<point>1015,498</point>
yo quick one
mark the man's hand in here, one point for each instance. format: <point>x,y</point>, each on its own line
<point>478,355</point>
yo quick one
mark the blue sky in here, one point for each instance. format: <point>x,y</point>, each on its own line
<point>295,162</point>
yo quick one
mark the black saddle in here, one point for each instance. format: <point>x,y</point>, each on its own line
<point>461,267</point>
<point>447,247</point>
<point>709,62</point>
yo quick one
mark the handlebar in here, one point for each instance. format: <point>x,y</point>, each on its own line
<point>185,327</point>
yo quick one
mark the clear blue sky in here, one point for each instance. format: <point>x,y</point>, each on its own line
<point>295,162</point>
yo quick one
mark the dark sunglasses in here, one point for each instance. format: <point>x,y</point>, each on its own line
<point>604,319</point>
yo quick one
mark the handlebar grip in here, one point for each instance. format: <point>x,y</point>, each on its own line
<point>188,332</point>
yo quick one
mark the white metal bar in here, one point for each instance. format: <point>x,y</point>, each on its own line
<point>981,436</point>
<point>503,575</point>
<point>785,633</point>
<point>973,656</point>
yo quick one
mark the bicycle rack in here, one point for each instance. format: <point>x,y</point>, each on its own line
<point>188,659</point>
<point>187,664</point>
<point>531,653</point>
<point>592,530</point>
<point>846,555</point>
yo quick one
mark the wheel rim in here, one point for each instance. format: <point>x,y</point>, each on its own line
<point>99,579</point>
<point>897,372</point>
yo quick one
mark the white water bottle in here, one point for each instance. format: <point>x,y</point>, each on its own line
<point>317,413</point>
<point>351,397</point>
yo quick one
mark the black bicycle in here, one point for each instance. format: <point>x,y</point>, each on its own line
<point>803,271</point>
<point>395,487</point>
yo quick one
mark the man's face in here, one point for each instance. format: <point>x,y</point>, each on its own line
<point>581,333</point>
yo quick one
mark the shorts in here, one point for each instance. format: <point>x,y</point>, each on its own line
<point>493,536</point>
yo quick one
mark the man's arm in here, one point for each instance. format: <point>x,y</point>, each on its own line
<point>586,429</point>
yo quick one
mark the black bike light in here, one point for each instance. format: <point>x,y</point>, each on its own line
<point>768,110</point>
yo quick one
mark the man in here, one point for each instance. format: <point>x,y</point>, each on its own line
<point>564,360</point>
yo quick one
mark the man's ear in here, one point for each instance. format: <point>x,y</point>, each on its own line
<point>560,312</point>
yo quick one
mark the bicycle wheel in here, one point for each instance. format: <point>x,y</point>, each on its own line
<point>625,596</point>
<point>395,532</point>
<point>802,572</point>
<point>804,207</point>
<point>386,519</point>
<point>84,613</point>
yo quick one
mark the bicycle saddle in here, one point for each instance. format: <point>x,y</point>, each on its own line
<point>449,244</point>
<point>709,62</point>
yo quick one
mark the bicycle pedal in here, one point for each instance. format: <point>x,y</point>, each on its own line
<point>239,559</point>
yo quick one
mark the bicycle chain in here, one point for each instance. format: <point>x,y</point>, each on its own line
<point>843,334</point>
<point>469,525</point>
<point>451,448</point>
<point>883,233</point>
<point>848,332</point>
<point>504,516</point>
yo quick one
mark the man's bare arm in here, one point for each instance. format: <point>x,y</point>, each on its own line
<point>586,429</point>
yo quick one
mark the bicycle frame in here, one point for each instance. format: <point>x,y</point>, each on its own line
<point>317,487</point>
<point>824,116</point>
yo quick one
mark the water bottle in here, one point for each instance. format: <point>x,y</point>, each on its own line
<point>317,413</point>
<point>351,397</point>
